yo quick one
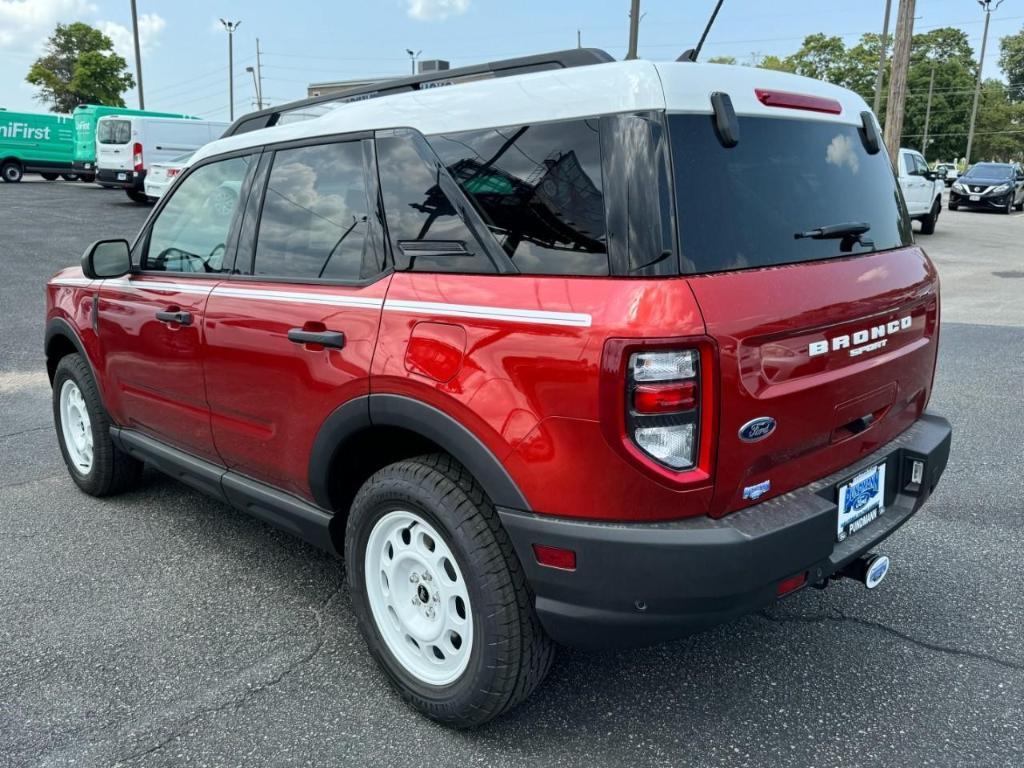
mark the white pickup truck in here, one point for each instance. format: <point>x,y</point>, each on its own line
<point>922,189</point>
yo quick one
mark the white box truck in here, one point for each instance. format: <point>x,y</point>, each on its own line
<point>126,145</point>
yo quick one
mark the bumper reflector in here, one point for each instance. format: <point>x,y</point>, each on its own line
<point>555,557</point>
<point>790,584</point>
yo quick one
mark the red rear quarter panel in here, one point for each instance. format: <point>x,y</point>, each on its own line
<point>530,389</point>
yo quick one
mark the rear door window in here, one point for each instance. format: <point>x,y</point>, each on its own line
<point>114,132</point>
<point>741,207</point>
<point>315,222</point>
<point>539,190</point>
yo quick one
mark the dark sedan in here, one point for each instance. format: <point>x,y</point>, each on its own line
<point>993,186</point>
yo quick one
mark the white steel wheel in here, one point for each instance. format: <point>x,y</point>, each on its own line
<point>76,427</point>
<point>419,598</point>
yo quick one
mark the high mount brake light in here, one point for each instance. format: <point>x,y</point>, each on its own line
<point>805,101</point>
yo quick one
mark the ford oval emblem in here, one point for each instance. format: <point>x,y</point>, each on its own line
<point>757,429</point>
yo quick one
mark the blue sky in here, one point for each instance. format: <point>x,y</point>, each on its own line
<point>185,49</point>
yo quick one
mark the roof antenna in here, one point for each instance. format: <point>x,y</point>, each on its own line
<point>691,54</point>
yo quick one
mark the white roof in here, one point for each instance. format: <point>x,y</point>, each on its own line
<point>560,94</point>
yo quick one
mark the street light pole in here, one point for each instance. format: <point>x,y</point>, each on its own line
<point>231,26</point>
<point>987,7</point>
<point>881,57</point>
<point>412,58</point>
<point>138,56</point>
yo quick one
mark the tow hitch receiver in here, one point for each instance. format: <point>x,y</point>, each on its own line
<point>868,569</point>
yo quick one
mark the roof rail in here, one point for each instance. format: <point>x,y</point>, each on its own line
<point>316,105</point>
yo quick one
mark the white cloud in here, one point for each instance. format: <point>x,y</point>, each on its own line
<point>150,27</point>
<point>24,24</point>
<point>436,10</point>
<point>840,152</point>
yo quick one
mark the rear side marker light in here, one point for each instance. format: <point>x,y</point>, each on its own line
<point>805,101</point>
<point>791,584</point>
<point>665,398</point>
<point>555,557</point>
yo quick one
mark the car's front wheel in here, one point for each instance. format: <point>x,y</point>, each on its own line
<point>96,465</point>
<point>440,595</point>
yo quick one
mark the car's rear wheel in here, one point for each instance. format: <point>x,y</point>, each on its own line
<point>96,465</point>
<point>440,595</point>
<point>1020,206</point>
<point>11,171</point>
<point>138,196</point>
<point>928,222</point>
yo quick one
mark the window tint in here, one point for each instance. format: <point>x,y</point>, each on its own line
<point>190,233</point>
<point>114,132</point>
<point>740,207</point>
<point>316,216</point>
<point>426,231</point>
<point>538,188</point>
<point>989,171</point>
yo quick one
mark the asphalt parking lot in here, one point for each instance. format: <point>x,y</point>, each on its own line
<point>162,628</point>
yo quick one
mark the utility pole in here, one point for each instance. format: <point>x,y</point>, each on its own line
<point>412,57</point>
<point>256,85</point>
<point>259,74</point>
<point>881,57</point>
<point>898,80</point>
<point>231,26</point>
<point>634,28</point>
<point>138,56</point>
<point>928,115</point>
<point>987,7</point>
<point>579,39</point>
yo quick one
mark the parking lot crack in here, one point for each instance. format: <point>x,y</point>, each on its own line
<point>234,702</point>
<point>24,431</point>
<point>839,617</point>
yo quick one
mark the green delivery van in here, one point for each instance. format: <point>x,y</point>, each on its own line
<point>86,117</point>
<point>36,143</point>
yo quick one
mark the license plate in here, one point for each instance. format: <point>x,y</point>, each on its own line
<point>122,176</point>
<point>861,501</point>
<point>974,198</point>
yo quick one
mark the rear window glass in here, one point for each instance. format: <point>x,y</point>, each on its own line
<point>114,132</point>
<point>741,207</point>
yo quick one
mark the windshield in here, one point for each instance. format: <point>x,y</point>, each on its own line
<point>742,207</point>
<point>114,132</point>
<point>989,171</point>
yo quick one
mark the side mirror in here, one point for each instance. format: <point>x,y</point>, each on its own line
<point>107,258</point>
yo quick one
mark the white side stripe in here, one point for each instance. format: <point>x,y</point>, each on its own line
<point>361,302</point>
<point>434,308</point>
<point>535,316</point>
<point>77,282</point>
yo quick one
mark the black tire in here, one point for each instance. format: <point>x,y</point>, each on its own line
<point>138,196</point>
<point>112,470</point>
<point>953,206</point>
<point>11,171</point>
<point>69,176</point>
<point>50,176</point>
<point>511,654</point>
<point>88,178</point>
<point>928,222</point>
<point>1008,209</point>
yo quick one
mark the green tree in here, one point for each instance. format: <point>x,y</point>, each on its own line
<point>996,135</point>
<point>820,57</point>
<point>1011,61</point>
<point>79,66</point>
<point>722,60</point>
<point>776,63</point>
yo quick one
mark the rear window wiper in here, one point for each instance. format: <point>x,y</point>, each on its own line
<point>849,233</point>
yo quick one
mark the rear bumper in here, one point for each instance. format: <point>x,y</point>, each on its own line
<point>131,180</point>
<point>638,584</point>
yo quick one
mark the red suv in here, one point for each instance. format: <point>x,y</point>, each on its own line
<point>597,355</point>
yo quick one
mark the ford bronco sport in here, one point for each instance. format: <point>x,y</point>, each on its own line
<point>596,354</point>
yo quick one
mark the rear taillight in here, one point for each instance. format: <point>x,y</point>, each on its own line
<point>172,172</point>
<point>663,413</point>
<point>137,155</point>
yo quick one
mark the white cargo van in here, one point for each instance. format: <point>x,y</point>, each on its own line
<point>126,145</point>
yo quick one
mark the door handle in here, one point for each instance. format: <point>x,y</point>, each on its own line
<point>175,316</point>
<point>334,339</point>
